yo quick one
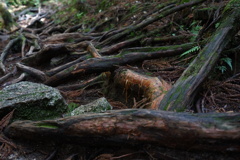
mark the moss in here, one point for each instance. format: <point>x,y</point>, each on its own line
<point>156,49</point>
<point>232,5</point>
<point>70,69</point>
<point>32,104</point>
<point>47,125</point>
<point>89,56</point>
<point>70,40</point>
<point>31,111</point>
<point>8,21</point>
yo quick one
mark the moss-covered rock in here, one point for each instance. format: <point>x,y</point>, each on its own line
<point>98,106</point>
<point>32,101</point>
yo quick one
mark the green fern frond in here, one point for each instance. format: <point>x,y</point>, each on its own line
<point>194,49</point>
<point>228,61</point>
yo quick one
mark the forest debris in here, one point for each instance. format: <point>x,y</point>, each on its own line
<point>221,96</point>
<point>93,51</point>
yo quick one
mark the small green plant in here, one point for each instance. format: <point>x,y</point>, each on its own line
<point>217,24</point>
<point>133,8</point>
<point>71,107</point>
<point>183,1</point>
<point>194,49</point>
<point>222,67</point>
<point>228,61</point>
<point>80,15</point>
<point>195,30</point>
<point>103,5</point>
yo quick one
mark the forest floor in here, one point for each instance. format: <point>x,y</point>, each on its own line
<point>94,22</point>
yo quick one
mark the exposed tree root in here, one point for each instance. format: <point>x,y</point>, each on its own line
<point>110,62</point>
<point>33,72</point>
<point>6,52</point>
<point>153,88</point>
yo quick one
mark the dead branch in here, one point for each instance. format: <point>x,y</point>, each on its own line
<point>93,51</point>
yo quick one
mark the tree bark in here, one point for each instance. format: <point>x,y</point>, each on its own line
<point>209,132</point>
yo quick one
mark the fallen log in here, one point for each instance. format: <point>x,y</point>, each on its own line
<point>186,131</point>
<point>182,94</point>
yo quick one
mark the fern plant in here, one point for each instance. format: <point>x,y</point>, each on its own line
<point>194,49</point>
<point>223,61</point>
